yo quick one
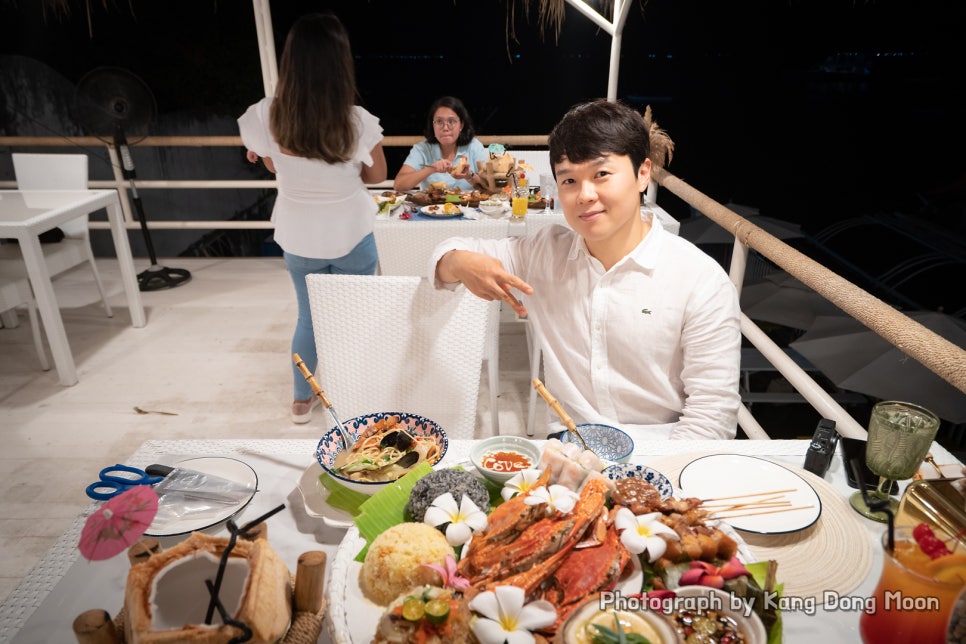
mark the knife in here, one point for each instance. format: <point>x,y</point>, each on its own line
<point>198,485</point>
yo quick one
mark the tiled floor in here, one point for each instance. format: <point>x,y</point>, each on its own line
<point>211,362</point>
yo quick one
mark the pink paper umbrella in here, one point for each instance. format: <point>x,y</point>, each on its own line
<point>119,523</point>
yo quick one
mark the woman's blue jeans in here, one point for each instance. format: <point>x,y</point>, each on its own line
<point>362,260</point>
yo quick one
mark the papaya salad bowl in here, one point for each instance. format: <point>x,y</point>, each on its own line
<point>383,447</point>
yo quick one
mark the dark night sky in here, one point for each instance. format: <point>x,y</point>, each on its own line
<point>735,84</point>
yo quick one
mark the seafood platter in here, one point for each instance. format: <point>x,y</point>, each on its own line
<point>567,551</point>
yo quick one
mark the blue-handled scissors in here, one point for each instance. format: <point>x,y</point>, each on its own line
<point>119,478</point>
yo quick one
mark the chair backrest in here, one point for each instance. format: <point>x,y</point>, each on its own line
<point>539,160</point>
<point>54,172</point>
<point>394,343</point>
<point>405,247</point>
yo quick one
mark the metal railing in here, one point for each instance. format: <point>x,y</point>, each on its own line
<point>944,358</point>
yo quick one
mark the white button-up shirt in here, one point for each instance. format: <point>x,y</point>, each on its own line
<point>652,346</point>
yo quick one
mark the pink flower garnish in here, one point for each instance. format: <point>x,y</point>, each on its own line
<point>705,574</point>
<point>451,578</point>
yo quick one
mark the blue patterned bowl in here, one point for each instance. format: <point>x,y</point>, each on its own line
<point>609,443</point>
<point>631,470</point>
<point>331,444</point>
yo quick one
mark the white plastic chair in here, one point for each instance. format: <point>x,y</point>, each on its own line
<point>394,343</point>
<point>56,172</point>
<point>15,292</point>
<point>405,248</point>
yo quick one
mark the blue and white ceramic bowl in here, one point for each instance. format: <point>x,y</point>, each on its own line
<point>331,443</point>
<point>631,470</point>
<point>609,443</point>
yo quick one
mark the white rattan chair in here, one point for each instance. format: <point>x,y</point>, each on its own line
<point>394,343</point>
<point>56,172</point>
<point>405,248</point>
<point>15,292</point>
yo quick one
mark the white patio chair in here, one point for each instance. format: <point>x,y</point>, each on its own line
<point>56,172</point>
<point>394,343</point>
<point>405,248</point>
<point>15,292</point>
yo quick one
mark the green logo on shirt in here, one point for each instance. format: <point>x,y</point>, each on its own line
<point>646,311</point>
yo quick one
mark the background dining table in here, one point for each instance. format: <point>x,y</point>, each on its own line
<point>24,215</point>
<point>64,584</point>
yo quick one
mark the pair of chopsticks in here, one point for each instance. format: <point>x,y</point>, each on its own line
<point>749,505</point>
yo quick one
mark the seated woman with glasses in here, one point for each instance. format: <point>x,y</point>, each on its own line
<point>449,137</point>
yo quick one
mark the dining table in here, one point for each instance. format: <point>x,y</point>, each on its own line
<point>24,215</point>
<point>840,543</point>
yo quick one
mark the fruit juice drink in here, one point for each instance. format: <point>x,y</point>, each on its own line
<point>915,595</point>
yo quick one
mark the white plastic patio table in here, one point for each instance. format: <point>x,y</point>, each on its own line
<point>24,215</point>
<point>63,585</point>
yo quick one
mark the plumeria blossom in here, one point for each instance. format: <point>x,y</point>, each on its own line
<point>558,498</point>
<point>704,574</point>
<point>520,483</point>
<point>451,578</point>
<point>463,519</point>
<point>507,618</point>
<point>644,532</point>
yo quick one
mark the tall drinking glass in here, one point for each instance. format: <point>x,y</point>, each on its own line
<point>915,595</point>
<point>548,189</point>
<point>900,435</point>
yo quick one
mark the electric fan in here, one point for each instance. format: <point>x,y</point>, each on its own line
<point>114,104</point>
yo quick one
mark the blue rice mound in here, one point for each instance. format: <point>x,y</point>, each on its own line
<point>439,482</point>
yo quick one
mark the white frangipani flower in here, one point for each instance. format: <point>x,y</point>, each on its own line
<point>520,483</point>
<point>640,533</point>
<point>463,519</point>
<point>507,618</point>
<point>557,497</point>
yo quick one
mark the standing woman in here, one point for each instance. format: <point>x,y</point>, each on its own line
<point>449,135</point>
<point>323,148</point>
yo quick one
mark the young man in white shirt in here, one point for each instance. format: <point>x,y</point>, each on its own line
<point>639,328</point>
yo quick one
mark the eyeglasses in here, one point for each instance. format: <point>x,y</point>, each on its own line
<point>450,122</point>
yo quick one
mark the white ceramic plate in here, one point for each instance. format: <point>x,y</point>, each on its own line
<point>227,468</point>
<point>734,475</point>
<point>314,496</point>
<point>437,211</point>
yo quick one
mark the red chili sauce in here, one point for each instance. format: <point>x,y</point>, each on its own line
<point>505,460</point>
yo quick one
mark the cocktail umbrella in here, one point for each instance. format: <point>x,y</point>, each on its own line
<point>119,523</point>
<point>858,359</point>
<point>781,299</point>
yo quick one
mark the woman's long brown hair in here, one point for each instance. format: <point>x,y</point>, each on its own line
<point>312,113</point>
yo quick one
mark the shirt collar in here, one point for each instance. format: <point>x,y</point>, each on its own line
<point>644,255</point>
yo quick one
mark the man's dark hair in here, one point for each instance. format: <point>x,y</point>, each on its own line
<point>590,130</point>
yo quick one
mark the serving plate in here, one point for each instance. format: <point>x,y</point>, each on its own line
<point>436,211</point>
<point>724,479</point>
<point>314,497</point>
<point>353,617</point>
<point>186,518</point>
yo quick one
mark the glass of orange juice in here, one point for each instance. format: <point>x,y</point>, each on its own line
<point>520,201</point>
<point>915,595</point>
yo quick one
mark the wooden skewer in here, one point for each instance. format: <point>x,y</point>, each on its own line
<point>734,504</point>
<point>742,496</point>
<point>749,506</point>
<point>752,514</point>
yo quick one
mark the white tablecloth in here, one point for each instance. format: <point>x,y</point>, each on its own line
<point>63,585</point>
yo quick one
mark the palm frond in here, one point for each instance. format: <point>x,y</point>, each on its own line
<point>662,147</point>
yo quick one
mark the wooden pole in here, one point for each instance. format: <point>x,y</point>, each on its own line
<point>95,627</point>
<point>309,581</point>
